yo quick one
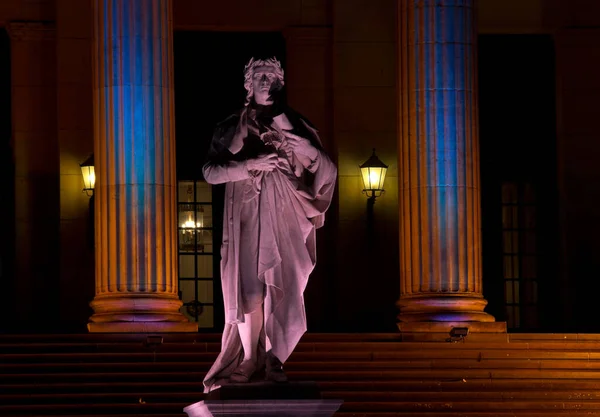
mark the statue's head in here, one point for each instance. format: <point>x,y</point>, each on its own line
<point>262,77</point>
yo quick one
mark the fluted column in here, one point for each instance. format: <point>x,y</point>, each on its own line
<point>440,242</point>
<point>134,149</point>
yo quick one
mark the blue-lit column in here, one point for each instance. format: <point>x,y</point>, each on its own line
<point>440,244</point>
<point>134,150</point>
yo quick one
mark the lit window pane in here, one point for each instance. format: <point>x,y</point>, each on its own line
<point>204,216</point>
<point>205,266</point>
<point>205,291</point>
<point>203,192</point>
<point>206,319</point>
<point>185,191</point>
<point>186,216</point>
<point>186,266</point>
<point>186,241</point>
<point>186,288</point>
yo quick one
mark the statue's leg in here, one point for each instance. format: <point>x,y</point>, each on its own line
<point>250,333</point>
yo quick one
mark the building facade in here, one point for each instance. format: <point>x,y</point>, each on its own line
<point>484,111</point>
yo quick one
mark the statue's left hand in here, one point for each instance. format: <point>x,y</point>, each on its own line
<point>301,146</point>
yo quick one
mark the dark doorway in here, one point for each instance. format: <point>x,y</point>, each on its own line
<point>519,179</point>
<point>7,181</point>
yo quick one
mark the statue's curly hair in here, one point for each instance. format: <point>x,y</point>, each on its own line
<point>249,72</point>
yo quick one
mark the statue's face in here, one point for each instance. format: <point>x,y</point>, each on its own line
<point>263,80</point>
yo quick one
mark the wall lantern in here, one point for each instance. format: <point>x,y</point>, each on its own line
<point>373,174</point>
<point>89,176</point>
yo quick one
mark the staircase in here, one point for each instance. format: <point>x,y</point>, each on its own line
<point>377,375</point>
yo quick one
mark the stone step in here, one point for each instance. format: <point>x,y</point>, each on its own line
<point>354,408</point>
<point>140,397</point>
<point>307,375</point>
<point>203,356</point>
<point>348,396</point>
<point>212,345</point>
<point>526,365</point>
<point>310,337</point>
<point>54,388</point>
<point>466,406</point>
<point>472,385</point>
<point>450,396</point>
<point>459,385</point>
<point>136,409</point>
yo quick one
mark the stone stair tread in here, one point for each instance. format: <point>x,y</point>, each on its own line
<point>459,385</point>
<point>459,406</point>
<point>514,413</point>
<point>105,398</point>
<point>319,375</point>
<point>349,396</point>
<point>344,364</point>
<point>452,396</point>
<point>53,388</point>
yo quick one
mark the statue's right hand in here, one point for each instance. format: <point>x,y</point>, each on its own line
<point>263,163</point>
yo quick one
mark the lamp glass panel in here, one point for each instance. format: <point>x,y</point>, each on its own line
<point>382,173</point>
<point>89,177</point>
<point>373,177</point>
<point>365,178</point>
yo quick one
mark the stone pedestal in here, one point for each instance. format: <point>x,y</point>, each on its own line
<point>264,399</point>
<point>440,255</point>
<point>134,151</point>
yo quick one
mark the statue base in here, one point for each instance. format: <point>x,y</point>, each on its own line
<point>265,399</point>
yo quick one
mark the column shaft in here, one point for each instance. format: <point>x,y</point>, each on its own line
<point>440,250</point>
<point>134,148</point>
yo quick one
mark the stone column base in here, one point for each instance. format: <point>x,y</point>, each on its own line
<point>457,307</point>
<point>138,313</point>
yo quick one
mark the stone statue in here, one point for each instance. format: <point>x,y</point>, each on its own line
<point>279,183</point>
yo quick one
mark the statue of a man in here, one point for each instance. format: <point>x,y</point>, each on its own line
<point>279,183</point>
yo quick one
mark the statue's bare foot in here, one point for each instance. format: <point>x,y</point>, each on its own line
<point>275,369</point>
<point>244,372</point>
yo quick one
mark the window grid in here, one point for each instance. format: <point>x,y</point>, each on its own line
<point>195,251</point>
<point>520,254</point>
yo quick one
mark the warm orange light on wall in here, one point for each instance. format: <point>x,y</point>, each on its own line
<point>89,176</point>
<point>373,174</point>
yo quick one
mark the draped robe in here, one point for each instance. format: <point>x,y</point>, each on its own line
<point>268,232</point>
